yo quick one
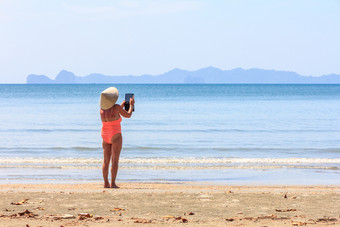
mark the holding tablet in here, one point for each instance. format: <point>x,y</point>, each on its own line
<point>127,101</point>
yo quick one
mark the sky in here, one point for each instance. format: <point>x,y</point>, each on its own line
<point>135,37</point>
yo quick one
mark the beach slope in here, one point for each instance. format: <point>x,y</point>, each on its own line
<point>168,204</point>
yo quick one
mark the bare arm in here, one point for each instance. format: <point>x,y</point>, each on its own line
<point>124,113</point>
<point>123,104</point>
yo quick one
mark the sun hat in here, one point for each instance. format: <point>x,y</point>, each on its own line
<point>108,98</point>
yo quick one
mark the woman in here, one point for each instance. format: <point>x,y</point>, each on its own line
<point>110,114</point>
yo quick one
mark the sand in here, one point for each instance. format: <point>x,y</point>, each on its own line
<point>165,204</point>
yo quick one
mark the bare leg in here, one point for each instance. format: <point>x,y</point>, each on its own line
<point>106,163</point>
<point>116,147</point>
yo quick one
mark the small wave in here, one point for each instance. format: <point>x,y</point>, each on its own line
<point>50,160</point>
<point>178,160</point>
<point>145,148</point>
<point>231,130</point>
<point>172,167</point>
<point>170,148</point>
<point>233,160</point>
<point>75,148</point>
<point>50,130</point>
<point>33,149</point>
<point>156,129</point>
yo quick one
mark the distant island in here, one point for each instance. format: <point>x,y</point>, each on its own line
<point>209,75</point>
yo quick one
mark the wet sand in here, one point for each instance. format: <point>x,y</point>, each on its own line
<point>168,204</point>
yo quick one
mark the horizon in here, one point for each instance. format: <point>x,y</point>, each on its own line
<point>53,77</point>
<point>182,69</point>
<point>144,74</point>
<point>208,75</point>
<point>152,37</point>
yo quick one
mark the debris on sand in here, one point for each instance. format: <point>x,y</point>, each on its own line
<point>326,219</point>
<point>271,217</point>
<point>286,210</point>
<point>117,209</point>
<point>299,223</point>
<point>66,216</point>
<point>168,217</point>
<point>141,220</point>
<point>83,216</point>
<point>20,203</point>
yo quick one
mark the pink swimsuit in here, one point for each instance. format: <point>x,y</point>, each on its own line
<point>110,129</point>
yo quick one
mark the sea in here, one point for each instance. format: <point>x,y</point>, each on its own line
<point>249,134</point>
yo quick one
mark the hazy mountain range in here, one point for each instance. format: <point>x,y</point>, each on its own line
<point>208,75</point>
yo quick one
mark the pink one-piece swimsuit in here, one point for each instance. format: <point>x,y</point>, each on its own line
<point>111,128</point>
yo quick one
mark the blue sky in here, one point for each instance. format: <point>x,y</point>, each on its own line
<point>122,37</point>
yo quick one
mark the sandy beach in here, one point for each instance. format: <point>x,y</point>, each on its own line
<point>168,204</point>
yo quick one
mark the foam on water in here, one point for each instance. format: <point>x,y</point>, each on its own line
<point>174,163</point>
<point>173,160</point>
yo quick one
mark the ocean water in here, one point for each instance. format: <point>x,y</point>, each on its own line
<point>233,134</point>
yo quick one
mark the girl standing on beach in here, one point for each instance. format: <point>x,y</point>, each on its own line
<point>110,114</point>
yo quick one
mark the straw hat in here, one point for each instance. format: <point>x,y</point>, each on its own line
<point>108,98</point>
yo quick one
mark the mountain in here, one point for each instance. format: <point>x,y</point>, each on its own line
<point>209,75</point>
<point>65,77</point>
<point>38,79</point>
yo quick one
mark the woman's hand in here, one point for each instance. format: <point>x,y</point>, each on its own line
<point>132,101</point>
<point>125,113</point>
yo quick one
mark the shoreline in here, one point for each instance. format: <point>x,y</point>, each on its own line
<point>87,183</point>
<point>169,204</point>
<point>160,185</point>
